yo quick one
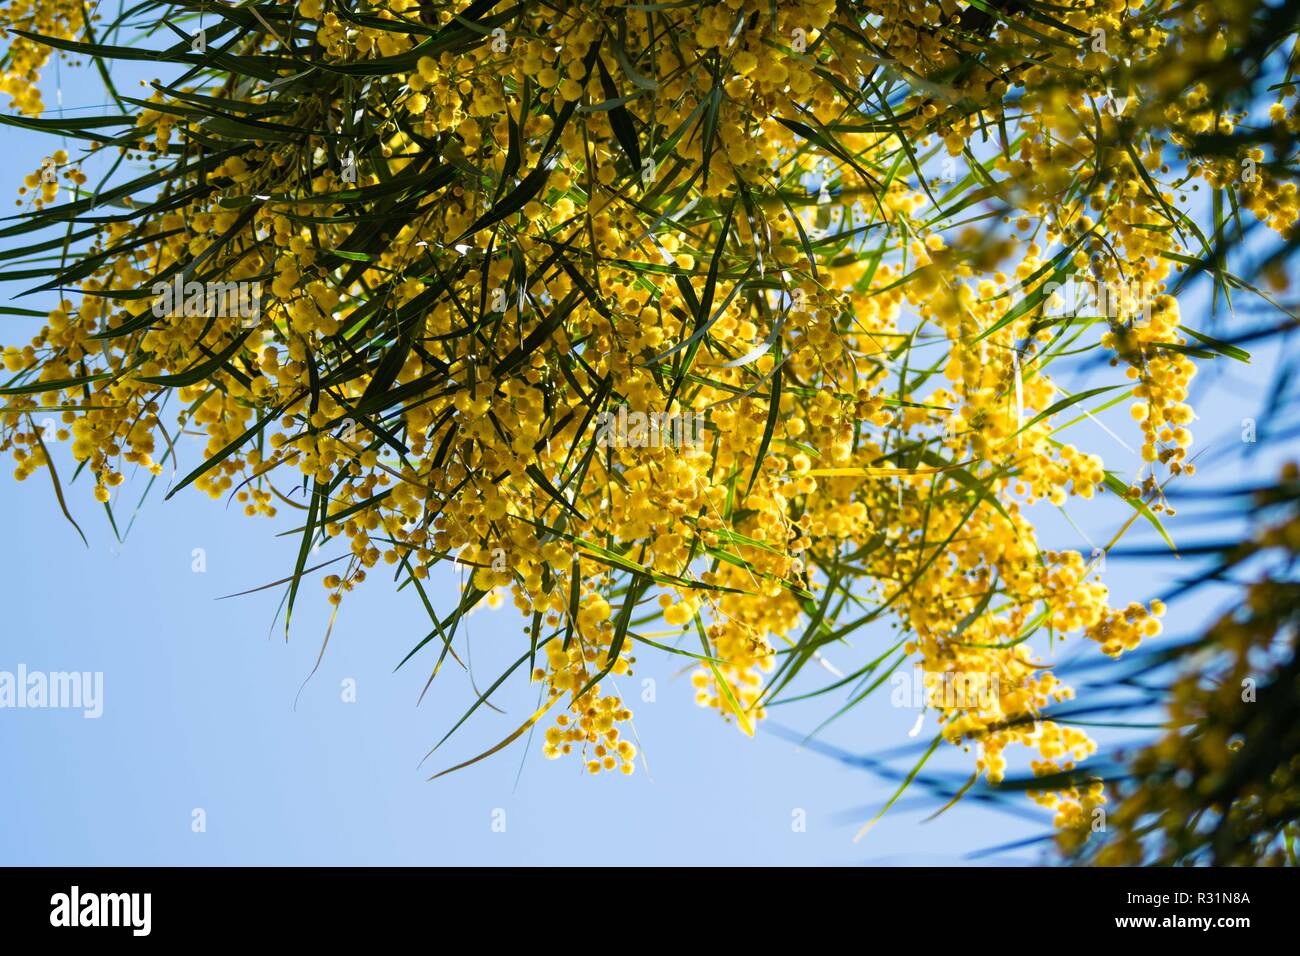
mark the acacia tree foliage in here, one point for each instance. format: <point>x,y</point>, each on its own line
<point>1221,785</point>
<point>834,230</point>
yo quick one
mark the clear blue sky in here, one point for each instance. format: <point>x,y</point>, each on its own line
<point>199,698</point>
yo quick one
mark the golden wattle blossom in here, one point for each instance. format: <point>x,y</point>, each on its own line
<point>835,229</point>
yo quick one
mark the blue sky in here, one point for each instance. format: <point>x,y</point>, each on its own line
<point>199,708</point>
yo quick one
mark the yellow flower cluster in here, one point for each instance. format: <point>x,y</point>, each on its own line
<point>24,58</point>
<point>876,404</point>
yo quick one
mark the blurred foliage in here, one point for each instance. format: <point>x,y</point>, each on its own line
<point>1222,786</point>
